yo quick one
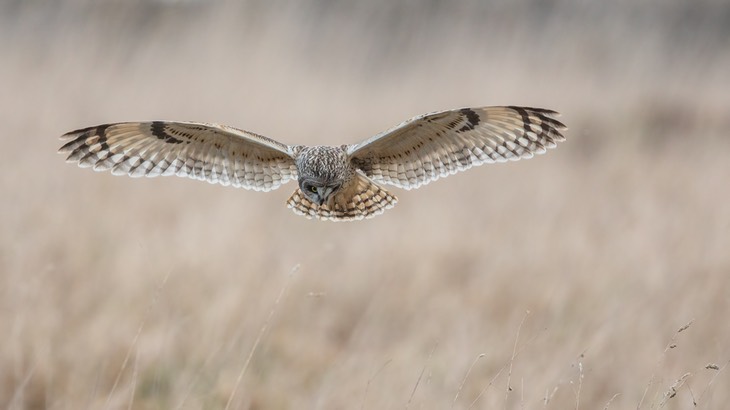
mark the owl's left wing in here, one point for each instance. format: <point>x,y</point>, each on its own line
<point>435,145</point>
<point>206,152</point>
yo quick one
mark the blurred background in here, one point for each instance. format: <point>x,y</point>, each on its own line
<point>559,282</point>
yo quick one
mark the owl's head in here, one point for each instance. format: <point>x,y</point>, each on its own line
<point>318,190</point>
<point>322,172</point>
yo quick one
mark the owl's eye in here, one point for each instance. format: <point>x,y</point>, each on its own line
<point>313,189</point>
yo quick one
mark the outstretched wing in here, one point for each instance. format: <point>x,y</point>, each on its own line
<point>207,152</point>
<point>435,145</point>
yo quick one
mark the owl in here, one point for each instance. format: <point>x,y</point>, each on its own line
<point>336,183</point>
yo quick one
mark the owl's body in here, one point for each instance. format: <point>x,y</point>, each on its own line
<point>330,186</point>
<point>335,182</point>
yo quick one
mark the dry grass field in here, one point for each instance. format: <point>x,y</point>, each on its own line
<point>560,282</point>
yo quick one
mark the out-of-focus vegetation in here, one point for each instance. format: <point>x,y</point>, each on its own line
<point>612,242</point>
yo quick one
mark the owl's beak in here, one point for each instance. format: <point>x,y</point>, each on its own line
<point>321,194</point>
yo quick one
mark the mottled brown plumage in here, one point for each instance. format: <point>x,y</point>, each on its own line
<point>335,183</point>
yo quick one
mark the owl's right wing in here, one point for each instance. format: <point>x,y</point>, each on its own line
<point>431,146</point>
<point>206,152</point>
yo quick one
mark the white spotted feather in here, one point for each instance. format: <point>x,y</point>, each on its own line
<point>431,146</point>
<point>206,152</point>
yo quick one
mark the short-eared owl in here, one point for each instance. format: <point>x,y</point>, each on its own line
<point>335,183</point>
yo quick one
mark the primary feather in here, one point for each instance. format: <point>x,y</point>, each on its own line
<point>207,152</point>
<point>428,147</point>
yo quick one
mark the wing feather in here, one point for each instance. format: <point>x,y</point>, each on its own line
<point>428,147</point>
<point>209,152</point>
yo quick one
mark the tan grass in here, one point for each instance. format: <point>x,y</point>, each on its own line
<point>611,242</point>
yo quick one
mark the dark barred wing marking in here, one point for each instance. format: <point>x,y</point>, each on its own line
<point>206,152</point>
<point>431,146</point>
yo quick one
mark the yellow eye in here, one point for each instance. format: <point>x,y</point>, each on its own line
<point>313,188</point>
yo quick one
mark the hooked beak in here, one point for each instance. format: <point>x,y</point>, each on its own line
<point>321,191</point>
<point>324,193</point>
